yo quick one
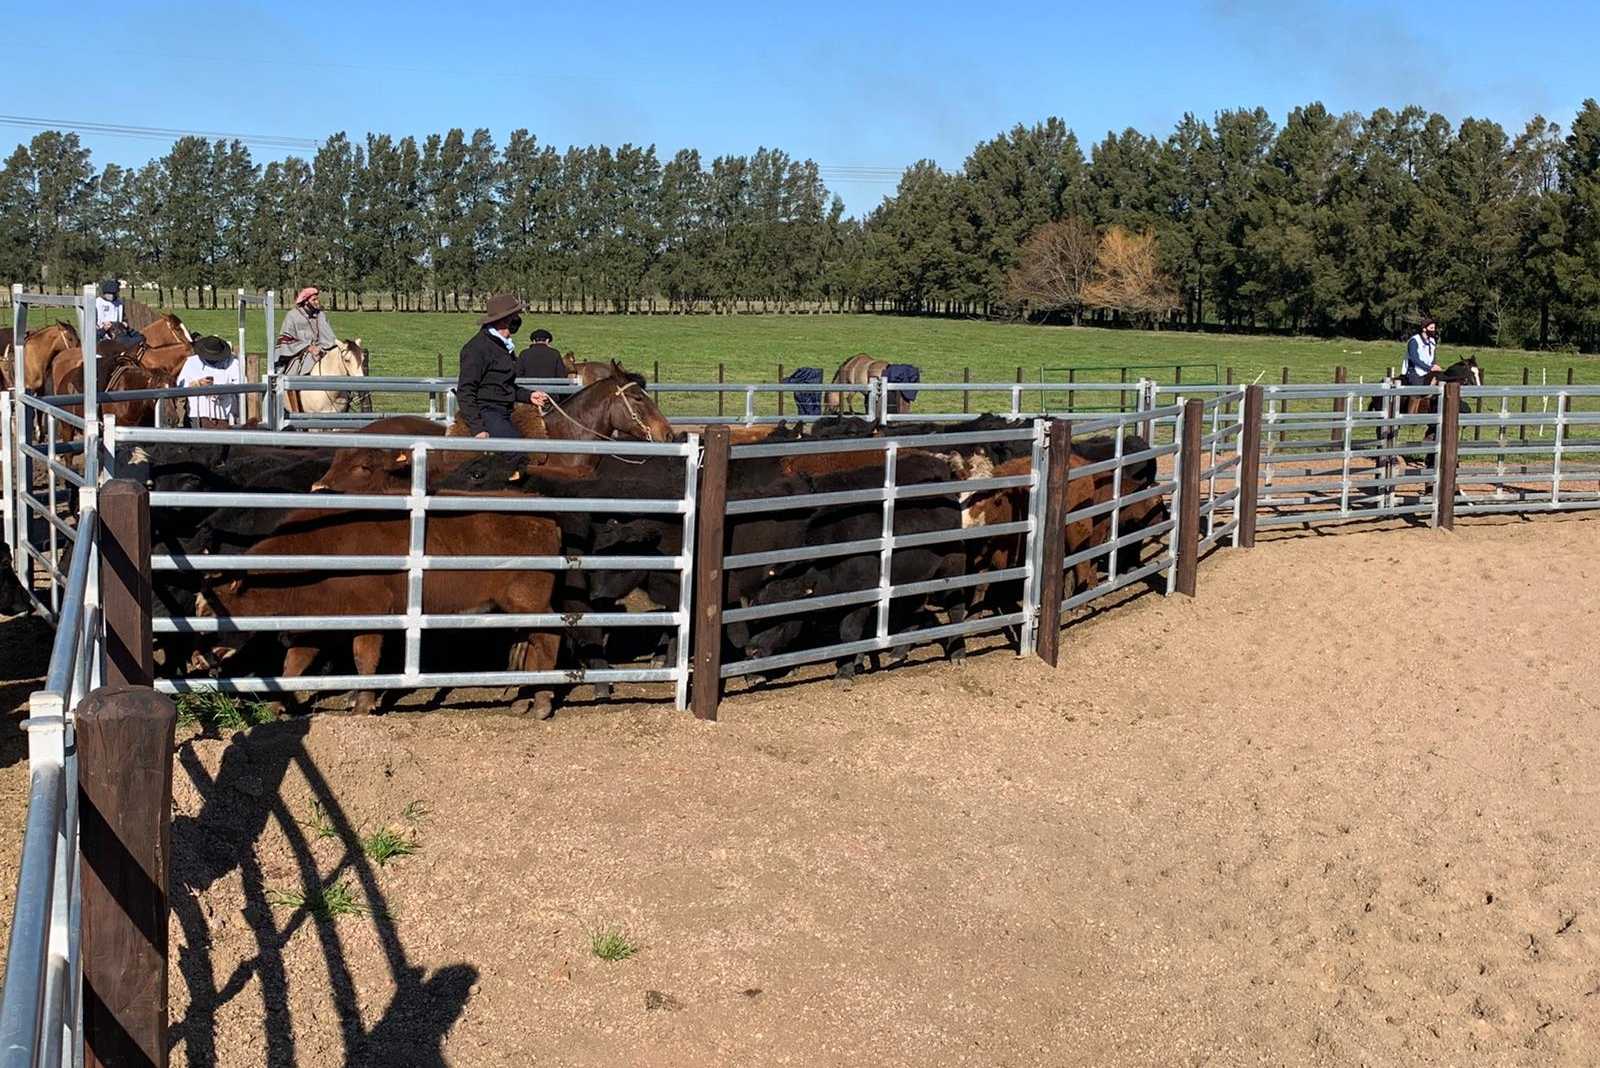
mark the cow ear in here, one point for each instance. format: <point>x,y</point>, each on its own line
<point>402,458</point>
<point>516,476</point>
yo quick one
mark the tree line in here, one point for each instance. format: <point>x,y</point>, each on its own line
<point>1326,224</point>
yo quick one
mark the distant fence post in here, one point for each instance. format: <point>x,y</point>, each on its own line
<point>1444,487</point>
<point>966,394</point>
<point>125,743</point>
<point>1340,377</point>
<point>1522,427</point>
<point>708,579</point>
<point>1249,466</point>
<point>1189,496</point>
<point>124,542</point>
<point>780,392</point>
<point>721,379</point>
<point>1052,578</point>
<point>439,357</point>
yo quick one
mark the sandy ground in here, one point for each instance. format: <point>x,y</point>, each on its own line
<point>1224,831</point>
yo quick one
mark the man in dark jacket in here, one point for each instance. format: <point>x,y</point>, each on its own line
<point>541,360</point>
<point>486,387</point>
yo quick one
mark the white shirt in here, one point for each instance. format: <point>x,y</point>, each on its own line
<point>107,311</point>
<point>218,407</point>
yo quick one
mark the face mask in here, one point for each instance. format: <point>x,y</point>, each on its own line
<point>514,324</point>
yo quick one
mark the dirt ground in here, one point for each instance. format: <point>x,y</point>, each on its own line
<point>1225,831</point>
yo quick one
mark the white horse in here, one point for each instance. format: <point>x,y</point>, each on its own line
<point>347,359</point>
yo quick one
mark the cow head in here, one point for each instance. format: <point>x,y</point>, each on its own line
<point>772,635</point>
<point>366,471</point>
<point>214,650</point>
<point>488,472</point>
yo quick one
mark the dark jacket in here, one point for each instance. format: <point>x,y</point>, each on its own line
<point>487,370</point>
<point>540,361</point>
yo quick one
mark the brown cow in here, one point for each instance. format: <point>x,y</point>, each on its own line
<point>384,593</point>
<point>365,470</point>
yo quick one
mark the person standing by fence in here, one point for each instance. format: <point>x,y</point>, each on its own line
<point>486,386</point>
<point>1422,363</point>
<point>305,336</point>
<point>212,364</point>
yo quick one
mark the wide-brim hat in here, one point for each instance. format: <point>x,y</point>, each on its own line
<point>212,348</point>
<point>501,306</point>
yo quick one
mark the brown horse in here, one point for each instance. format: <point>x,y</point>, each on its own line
<point>167,343</point>
<point>858,370</point>
<point>41,348</point>
<point>586,373</point>
<point>613,407</point>
<point>116,376</point>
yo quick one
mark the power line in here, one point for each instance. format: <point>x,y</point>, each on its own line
<point>115,129</point>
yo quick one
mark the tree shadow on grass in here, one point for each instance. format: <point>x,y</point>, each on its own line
<point>237,806</point>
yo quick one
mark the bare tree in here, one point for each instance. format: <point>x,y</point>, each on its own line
<point>1128,277</point>
<point>1058,263</point>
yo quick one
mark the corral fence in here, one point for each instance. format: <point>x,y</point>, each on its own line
<point>1218,459</point>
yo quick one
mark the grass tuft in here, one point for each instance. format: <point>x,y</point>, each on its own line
<point>416,812</point>
<point>319,823</point>
<point>385,844</point>
<point>324,902</point>
<point>220,711</point>
<point>612,944</point>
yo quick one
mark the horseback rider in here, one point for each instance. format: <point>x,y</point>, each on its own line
<point>541,360</point>
<point>305,336</point>
<point>486,387</point>
<point>110,322</point>
<point>1422,364</point>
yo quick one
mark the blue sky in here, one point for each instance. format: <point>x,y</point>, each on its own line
<point>852,86</point>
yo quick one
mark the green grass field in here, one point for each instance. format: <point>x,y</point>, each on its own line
<point>751,348</point>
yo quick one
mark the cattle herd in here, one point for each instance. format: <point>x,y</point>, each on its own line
<point>277,532</point>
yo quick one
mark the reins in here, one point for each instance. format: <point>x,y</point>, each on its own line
<point>622,394</point>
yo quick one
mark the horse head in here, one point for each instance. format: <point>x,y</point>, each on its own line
<point>631,412</point>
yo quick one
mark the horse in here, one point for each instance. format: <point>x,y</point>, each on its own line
<point>167,343</point>
<point>613,407</point>
<point>858,370</point>
<point>1465,372</point>
<point>588,372</point>
<point>347,359</point>
<point>116,376</point>
<point>41,348</point>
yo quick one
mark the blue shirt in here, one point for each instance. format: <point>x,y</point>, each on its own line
<point>1419,354</point>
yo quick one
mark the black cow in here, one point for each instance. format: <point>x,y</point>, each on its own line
<point>14,598</point>
<point>845,523</point>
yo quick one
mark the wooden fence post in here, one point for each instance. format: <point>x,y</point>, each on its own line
<point>1249,466</point>
<point>708,578</point>
<point>1340,377</point>
<point>1230,376</point>
<point>252,373</point>
<point>439,356</point>
<point>721,379</point>
<point>125,743</point>
<point>780,392</point>
<point>1189,496</point>
<point>1449,455</point>
<point>124,542</point>
<point>966,394</point>
<point>1522,428</point>
<point>1052,575</point>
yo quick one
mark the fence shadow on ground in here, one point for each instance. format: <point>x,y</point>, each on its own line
<point>237,807</point>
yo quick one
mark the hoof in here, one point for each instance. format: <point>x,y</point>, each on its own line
<point>540,706</point>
